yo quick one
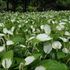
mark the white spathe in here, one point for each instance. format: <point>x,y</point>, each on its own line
<point>9,42</point>
<point>67,33</point>
<point>43,37</point>
<point>29,60</point>
<point>6,63</point>
<point>56,45</point>
<point>47,48</point>
<point>40,68</point>
<point>65,50</point>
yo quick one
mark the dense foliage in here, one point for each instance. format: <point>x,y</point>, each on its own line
<point>35,41</point>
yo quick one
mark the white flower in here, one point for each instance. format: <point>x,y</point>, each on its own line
<point>9,42</point>
<point>56,45</point>
<point>23,46</point>
<point>29,60</point>
<point>2,48</point>
<point>47,48</point>
<point>63,39</point>
<point>46,28</point>
<point>6,63</point>
<point>65,50</point>
<point>40,68</point>
<point>67,33</point>
<point>43,37</point>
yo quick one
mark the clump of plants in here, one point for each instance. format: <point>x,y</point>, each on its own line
<point>35,41</point>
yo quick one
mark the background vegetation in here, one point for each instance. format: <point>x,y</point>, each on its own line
<point>35,5</point>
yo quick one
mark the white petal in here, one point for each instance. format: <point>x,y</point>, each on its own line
<point>56,45</point>
<point>40,68</point>
<point>29,60</point>
<point>47,48</point>
<point>6,63</point>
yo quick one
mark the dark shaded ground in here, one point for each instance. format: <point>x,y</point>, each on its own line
<point>32,5</point>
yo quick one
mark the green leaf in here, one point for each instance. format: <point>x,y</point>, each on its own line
<point>18,39</point>
<point>53,65</point>
<point>8,54</point>
<point>37,55</point>
<point>60,55</point>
